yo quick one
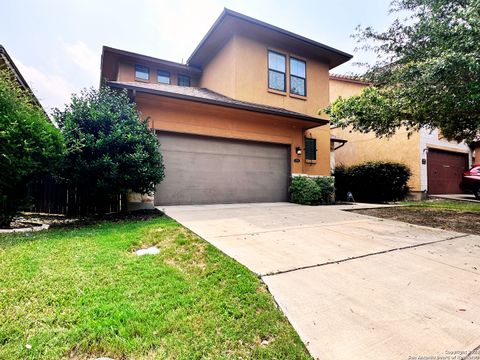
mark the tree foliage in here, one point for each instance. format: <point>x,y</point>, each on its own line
<point>110,149</point>
<point>30,145</point>
<point>427,73</point>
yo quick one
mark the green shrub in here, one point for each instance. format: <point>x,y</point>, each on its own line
<point>304,190</point>
<point>327,188</point>
<point>110,149</point>
<point>373,181</point>
<point>30,146</point>
<point>312,190</point>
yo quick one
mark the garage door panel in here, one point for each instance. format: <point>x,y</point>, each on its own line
<point>205,170</point>
<point>445,171</point>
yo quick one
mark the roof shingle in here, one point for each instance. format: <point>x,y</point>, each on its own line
<point>209,96</point>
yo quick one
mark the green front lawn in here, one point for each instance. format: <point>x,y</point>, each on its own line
<point>83,293</point>
<point>462,206</point>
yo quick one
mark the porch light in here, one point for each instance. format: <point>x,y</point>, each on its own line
<point>298,150</point>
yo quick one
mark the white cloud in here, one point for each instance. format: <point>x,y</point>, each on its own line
<point>180,25</point>
<point>51,89</point>
<point>84,58</point>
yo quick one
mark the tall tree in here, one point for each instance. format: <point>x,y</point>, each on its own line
<point>30,145</point>
<point>110,149</point>
<point>427,73</point>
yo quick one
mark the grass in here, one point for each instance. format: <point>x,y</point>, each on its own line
<point>461,206</point>
<point>82,293</point>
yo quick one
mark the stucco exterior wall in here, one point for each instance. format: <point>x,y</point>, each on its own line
<point>210,120</point>
<point>240,70</point>
<point>412,151</point>
<point>219,74</point>
<point>367,147</point>
<point>344,88</point>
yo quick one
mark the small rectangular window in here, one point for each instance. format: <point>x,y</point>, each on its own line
<point>297,77</point>
<point>163,77</point>
<point>183,80</point>
<point>142,72</point>
<point>310,149</point>
<point>276,71</point>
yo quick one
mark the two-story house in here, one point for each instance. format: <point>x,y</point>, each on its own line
<point>240,117</point>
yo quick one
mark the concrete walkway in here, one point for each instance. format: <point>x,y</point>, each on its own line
<point>459,197</point>
<point>353,286</point>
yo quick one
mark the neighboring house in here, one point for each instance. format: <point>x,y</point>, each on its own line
<point>240,117</point>
<point>7,63</point>
<point>436,163</point>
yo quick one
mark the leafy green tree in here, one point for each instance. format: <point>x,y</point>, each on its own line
<point>30,146</point>
<point>110,149</point>
<point>427,75</point>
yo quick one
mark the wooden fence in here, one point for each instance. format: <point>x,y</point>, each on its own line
<point>48,196</point>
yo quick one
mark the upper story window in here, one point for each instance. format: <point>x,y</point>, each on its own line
<point>163,77</point>
<point>297,77</point>
<point>310,149</point>
<point>142,72</point>
<point>276,71</point>
<point>183,80</point>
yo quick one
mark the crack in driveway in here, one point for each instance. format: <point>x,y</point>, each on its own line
<point>273,273</point>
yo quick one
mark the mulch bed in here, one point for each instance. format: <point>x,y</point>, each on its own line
<point>465,222</point>
<point>25,220</point>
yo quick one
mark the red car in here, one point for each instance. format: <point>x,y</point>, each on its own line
<point>471,181</point>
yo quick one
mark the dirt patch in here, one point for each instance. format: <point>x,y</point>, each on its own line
<point>465,222</point>
<point>26,220</point>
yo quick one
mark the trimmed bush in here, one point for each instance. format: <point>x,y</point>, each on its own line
<point>312,191</point>
<point>327,188</point>
<point>110,148</point>
<point>373,181</point>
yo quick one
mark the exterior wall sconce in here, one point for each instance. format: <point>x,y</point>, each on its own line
<point>298,150</point>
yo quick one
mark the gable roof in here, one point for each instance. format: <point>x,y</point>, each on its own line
<point>210,97</point>
<point>228,18</point>
<point>6,62</point>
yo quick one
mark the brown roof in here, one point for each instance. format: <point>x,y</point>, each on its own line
<point>7,62</point>
<point>349,78</point>
<point>107,49</point>
<point>228,20</point>
<point>334,138</point>
<point>208,96</point>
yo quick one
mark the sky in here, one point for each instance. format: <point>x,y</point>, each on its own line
<point>57,44</point>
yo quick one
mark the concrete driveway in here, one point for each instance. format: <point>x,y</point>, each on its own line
<point>353,286</point>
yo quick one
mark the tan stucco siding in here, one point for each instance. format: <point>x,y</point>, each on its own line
<point>219,74</point>
<point>183,116</point>
<point>322,165</point>
<point>366,147</point>
<point>240,70</point>
<point>252,78</point>
<point>344,89</point>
